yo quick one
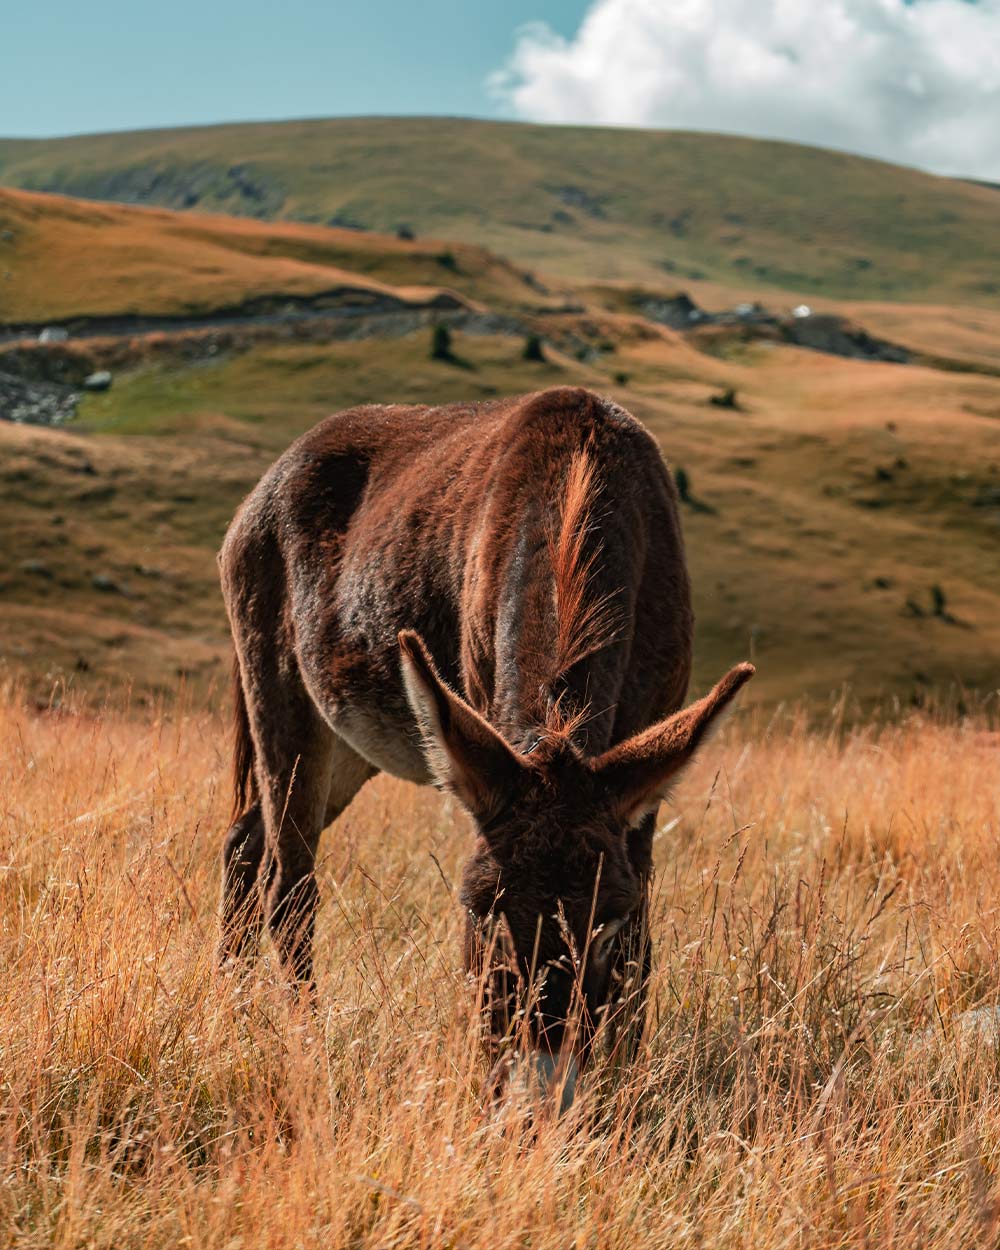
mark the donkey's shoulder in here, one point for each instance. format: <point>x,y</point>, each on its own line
<point>574,414</point>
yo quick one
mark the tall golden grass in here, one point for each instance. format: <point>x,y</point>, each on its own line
<point>826,920</point>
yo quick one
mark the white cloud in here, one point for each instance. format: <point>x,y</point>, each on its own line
<point>915,83</point>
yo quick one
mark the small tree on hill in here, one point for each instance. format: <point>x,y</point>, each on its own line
<point>533,348</point>
<point>726,399</point>
<point>683,483</point>
<point>441,343</point>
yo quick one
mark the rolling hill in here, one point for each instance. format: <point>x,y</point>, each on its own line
<point>844,513</point>
<point>610,204</point>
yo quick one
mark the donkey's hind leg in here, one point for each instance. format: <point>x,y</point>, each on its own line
<point>270,850</point>
<point>242,892</point>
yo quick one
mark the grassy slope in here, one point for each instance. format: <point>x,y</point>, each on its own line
<point>800,553</point>
<point>816,526</point>
<point>61,258</point>
<point>608,203</point>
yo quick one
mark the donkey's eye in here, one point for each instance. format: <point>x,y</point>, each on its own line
<point>601,941</point>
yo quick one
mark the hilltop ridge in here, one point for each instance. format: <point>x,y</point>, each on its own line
<point>596,202</point>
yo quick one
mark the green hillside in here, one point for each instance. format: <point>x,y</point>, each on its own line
<point>824,510</point>
<point>605,203</point>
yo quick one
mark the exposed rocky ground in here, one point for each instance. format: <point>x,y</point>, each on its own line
<point>237,189</point>
<point>339,303</point>
<point>821,332</point>
<point>42,367</point>
<point>35,403</point>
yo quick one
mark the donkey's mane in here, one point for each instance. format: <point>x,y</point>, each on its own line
<point>585,622</point>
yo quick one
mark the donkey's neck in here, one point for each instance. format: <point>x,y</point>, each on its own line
<point>552,671</point>
<point>523,659</point>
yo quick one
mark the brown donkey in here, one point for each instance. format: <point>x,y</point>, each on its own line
<point>492,597</point>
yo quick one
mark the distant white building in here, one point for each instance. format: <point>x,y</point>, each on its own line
<point>802,310</point>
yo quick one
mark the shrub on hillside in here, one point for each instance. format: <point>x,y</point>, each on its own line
<point>441,343</point>
<point>533,348</point>
<point>725,399</point>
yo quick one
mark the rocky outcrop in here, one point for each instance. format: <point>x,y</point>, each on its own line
<point>819,332</point>
<point>341,302</point>
<point>822,332</point>
<point>66,367</point>
<point>35,403</point>
<point>679,312</point>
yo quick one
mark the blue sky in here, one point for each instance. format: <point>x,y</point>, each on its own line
<point>71,67</point>
<point>911,81</point>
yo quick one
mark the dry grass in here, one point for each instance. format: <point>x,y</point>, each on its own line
<point>826,909</point>
<point>62,258</point>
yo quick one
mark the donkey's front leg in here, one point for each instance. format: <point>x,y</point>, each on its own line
<point>633,957</point>
<point>327,776</point>
<point>293,895</point>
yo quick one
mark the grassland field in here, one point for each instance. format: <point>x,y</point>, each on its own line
<point>822,1062</point>
<point>823,512</point>
<point>821,1066</point>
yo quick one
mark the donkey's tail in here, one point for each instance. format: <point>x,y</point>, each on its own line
<point>244,782</point>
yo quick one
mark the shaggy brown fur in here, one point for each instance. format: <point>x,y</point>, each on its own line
<point>492,597</point>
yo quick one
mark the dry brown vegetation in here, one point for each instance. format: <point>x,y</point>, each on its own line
<point>826,912</point>
<point>65,258</point>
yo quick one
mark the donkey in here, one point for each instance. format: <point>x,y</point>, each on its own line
<point>491,597</point>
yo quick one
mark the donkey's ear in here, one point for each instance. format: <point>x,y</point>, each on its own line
<point>638,773</point>
<point>465,753</point>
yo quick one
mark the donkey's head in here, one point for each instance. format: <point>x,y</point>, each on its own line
<point>554,875</point>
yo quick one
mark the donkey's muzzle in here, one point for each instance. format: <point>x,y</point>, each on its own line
<point>546,1078</point>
